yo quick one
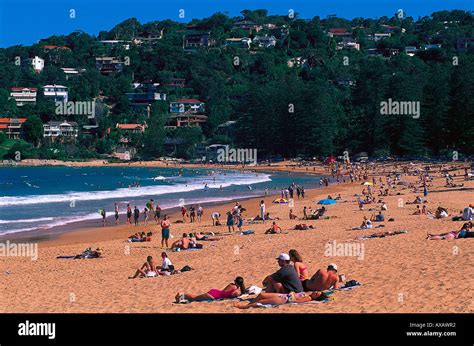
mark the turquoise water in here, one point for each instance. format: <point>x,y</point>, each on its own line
<point>35,198</point>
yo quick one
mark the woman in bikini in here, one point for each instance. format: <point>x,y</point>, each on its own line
<point>281,298</point>
<point>300,267</point>
<point>232,290</point>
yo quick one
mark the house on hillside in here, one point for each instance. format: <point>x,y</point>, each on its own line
<point>57,93</point>
<point>145,93</point>
<point>247,25</point>
<point>176,82</point>
<point>186,112</point>
<point>339,32</point>
<point>107,65</point>
<point>265,41</point>
<point>411,50</point>
<point>128,130</point>
<point>243,42</point>
<point>379,36</point>
<point>148,37</point>
<point>116,43</point>
<point>23,96</point>
<point>71,71</point>
<point>348,43</point>
<point>382,52</point>
<point>465,44</point>
<point>63,131</point>
<point>12,127</point>
<point>196,40</point>
<point>432,46</point>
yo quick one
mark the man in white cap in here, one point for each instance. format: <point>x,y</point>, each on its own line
<point>323,279</point>
<point>285,280</point>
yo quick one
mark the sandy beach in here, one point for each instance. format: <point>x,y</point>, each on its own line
<point>403,273</point>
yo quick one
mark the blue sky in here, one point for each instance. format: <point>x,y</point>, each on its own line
<point>27,21</point>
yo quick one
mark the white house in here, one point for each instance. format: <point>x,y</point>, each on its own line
<point>265,41</point>
<point>61,130</point>
<point>23,96</point>
<point>57,93</point>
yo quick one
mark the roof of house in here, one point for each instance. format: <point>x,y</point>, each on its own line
<point>338,31</point>
<point>21,88</point>
<point>188,101</point>
<point>61,123</point>
<point>55,86</point>
<point>3,126</point>
<point>56,47</point>
<point>10,120</point>
<point>129,126</point>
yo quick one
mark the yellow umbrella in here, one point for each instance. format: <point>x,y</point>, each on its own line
<point>280,201</point>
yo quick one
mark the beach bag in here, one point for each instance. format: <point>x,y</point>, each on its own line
<point>186,268</point>
<point>254,290</point>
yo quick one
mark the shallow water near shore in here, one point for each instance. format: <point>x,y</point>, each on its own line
<point>41,198</point>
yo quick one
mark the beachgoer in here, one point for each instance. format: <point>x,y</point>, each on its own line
<point>200,212</point>
<point>148,269</point>
<point>262,210</point>
<point>300,267</point>
<point>116,209</point>
<point>274,229</point>
<point>129,214</point>
<point>266,298</point>
<point>166,268</point>
<point>157,216</point>
<point>322,279</point>
<point>285,280</point>
<point>136,215</point>
<point>165,231</point>
<point>230,221</point>
<point>215,218</point>
<point>232,290</point>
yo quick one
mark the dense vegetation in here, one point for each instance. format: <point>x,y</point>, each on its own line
<point>303,110</point>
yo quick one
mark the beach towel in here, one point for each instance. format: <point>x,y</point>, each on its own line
<point>248,232</point>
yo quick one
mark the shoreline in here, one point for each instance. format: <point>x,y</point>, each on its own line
<point>407,264</point>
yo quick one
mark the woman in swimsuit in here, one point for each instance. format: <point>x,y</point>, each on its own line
<point>232,290</point>
<point>280,299</point>
<point>300,267</point>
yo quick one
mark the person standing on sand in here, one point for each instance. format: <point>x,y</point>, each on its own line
<point>183,213</point>
<point>323,279</point>
<point>104,216</point>
<point>230,221</point>
<point>262,210</point>
<point>157,213</point>
<point>116,209</point>
<point>199,212</point>
<point>129,214</point>
<point>136,215</point>
<point>165,231</point>
<point>302,192</point>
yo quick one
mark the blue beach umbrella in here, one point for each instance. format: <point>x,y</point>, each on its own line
<point>327,201</point>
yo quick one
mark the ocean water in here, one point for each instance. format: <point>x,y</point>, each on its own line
<point>35,198</point>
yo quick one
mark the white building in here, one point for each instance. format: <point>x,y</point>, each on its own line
<point>23,96</point>
<point>63,130</point>
<point>265,41</point>
<point>71,71</point>
<point>37,63</point>
<point>57,93</point>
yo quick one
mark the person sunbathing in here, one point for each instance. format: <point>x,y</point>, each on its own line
<point>366,224</point>
<point>232,290</point>
<point>148,269</point>
<point>464,232</point>
<point>280,299</point>
<point>274,229</point>
<point>182,243</point>
<point>417,211</point>
<point>206,237</point>
<point>322,279</point>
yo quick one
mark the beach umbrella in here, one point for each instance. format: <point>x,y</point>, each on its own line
<point>367,183</point>
<point>280,201</point>
<point>327,201</point>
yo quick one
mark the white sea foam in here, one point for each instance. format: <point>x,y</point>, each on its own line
<point>155,190</point>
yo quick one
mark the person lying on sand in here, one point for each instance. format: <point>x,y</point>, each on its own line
<point>281,298</point>
<point>274,229</point>
<point>206,237</point>
<point>464,232</point>
<point>302,227</point>
<point>322,280</point>
<point>148,269</point>
<point>232,290</point>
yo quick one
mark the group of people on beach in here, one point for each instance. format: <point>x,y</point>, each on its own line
<point>291,283</point>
